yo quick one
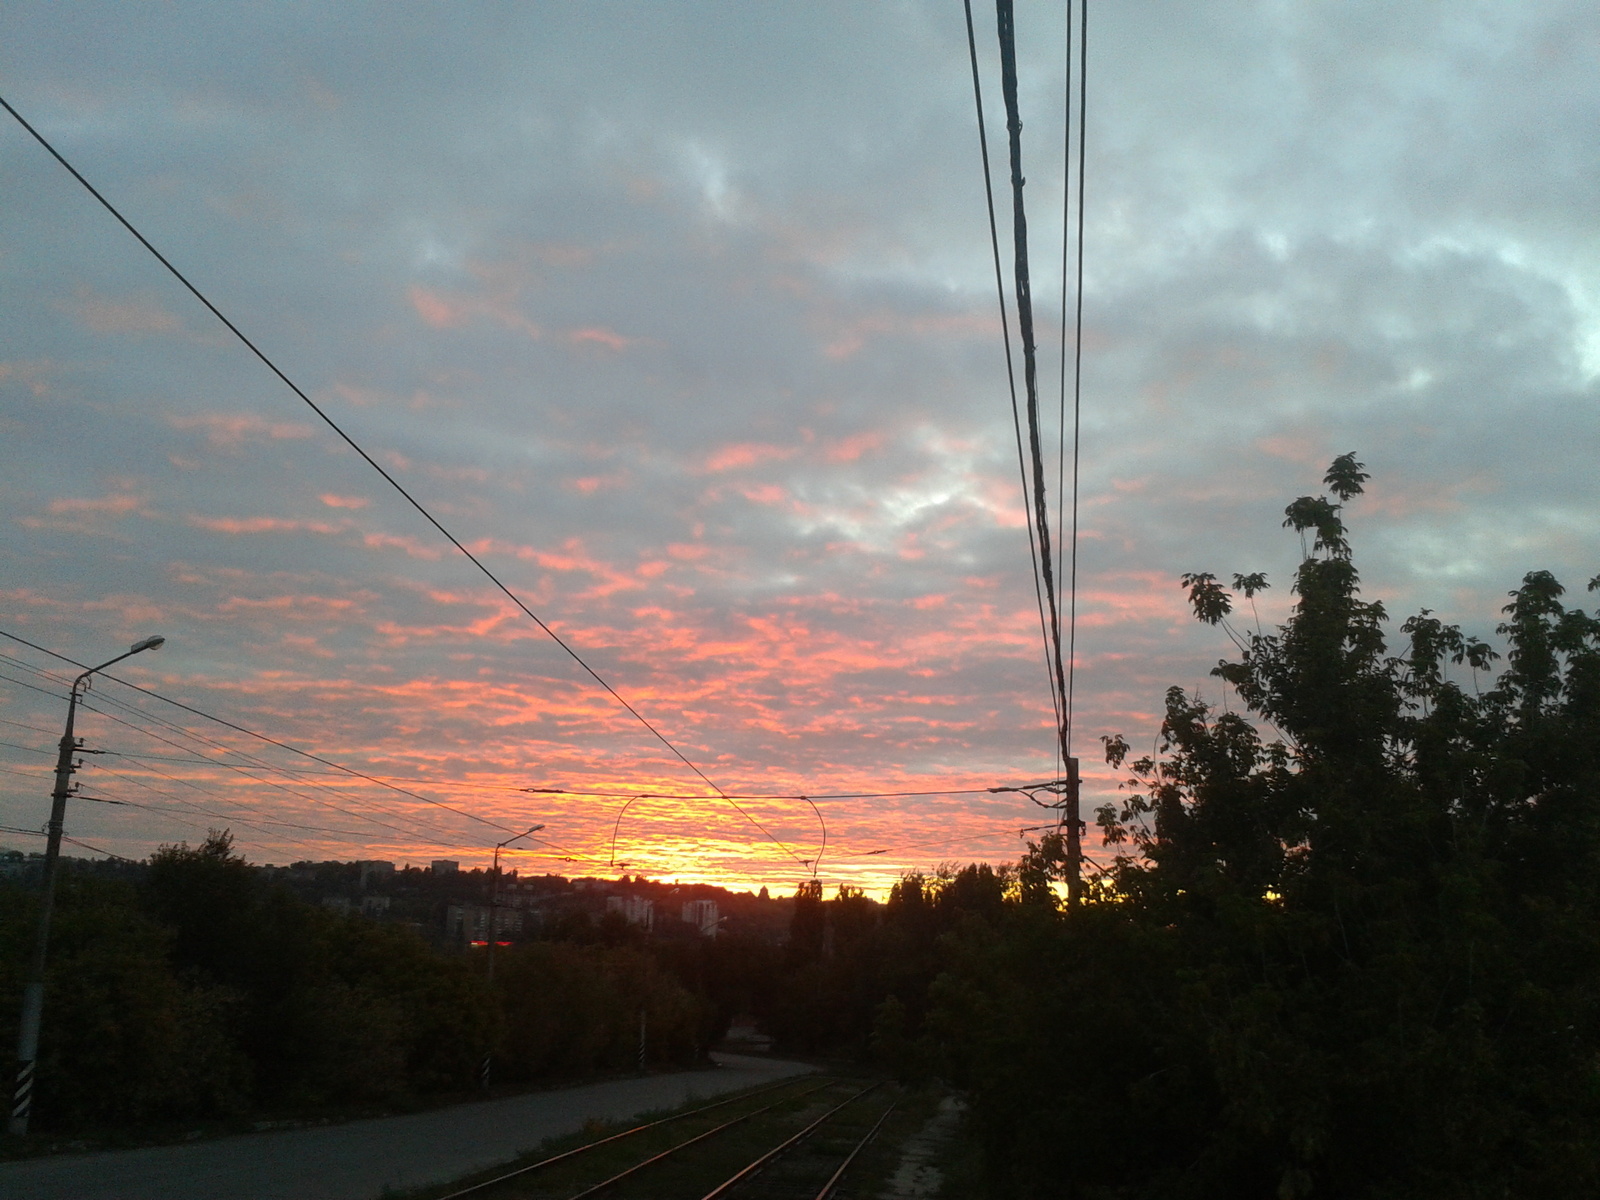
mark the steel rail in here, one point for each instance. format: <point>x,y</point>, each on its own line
<point>616,1137</point>
<point>728,1185</point>
<point>668,1153</point>
<point>833,1180</point>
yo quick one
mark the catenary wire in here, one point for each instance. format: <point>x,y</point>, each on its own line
<point>340,766</point>
<point>1077,369</point>
<point>88,705</point>
<point>390,479</point>
<point>1006,29</point>
<point>267,782</point>
<point>262,737</point>
<point>1005,333</point>
<point>30,728</point>
<point>256,764</point>
<point>1061,393</point>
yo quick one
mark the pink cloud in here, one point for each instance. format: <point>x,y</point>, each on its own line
<point>453,312</point>
<point>264,525</point>
<point>598,335</point>
<point>333,501</point>
<point>851,448</point>
<point>745,454</point>
<point>30,374</point>
<point>90,515</point>
<point>435,310</point>
<point>854,338</point>
<point>138,315</point>
<point>230,430</point>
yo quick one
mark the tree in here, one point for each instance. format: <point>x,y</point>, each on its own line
<point>1358,921</point>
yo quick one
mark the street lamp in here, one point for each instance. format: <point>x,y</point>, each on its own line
<point>33,995</point>
<point>494,889</point>
<point>494,905</point>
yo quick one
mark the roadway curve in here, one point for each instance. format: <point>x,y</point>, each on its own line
<point>356,1161</point>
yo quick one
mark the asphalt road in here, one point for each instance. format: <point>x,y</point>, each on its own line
<point>358,1160</point>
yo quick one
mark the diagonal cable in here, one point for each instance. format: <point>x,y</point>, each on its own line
<point>390,479</point>
<point>1005,333</point>
<point>1005,20</point>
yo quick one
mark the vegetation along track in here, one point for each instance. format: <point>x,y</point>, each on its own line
<point>798,1138</point>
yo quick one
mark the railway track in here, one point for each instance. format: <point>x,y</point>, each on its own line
<point>795,1139</point>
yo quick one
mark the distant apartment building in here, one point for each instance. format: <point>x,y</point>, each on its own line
<point>445,866</point>
<point>468,924</point>
<point>635,910</point>
<point>702,914</point>
<point>375,871</point>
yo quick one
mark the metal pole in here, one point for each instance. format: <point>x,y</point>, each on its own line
<point>33,994</point>
<point>1074,835</point>
<point>494,904</point>
<point>494,910</point>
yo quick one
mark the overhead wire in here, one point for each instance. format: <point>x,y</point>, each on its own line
<point>1061,394</point>
<point>262,737</point>
<point>1006,29</point>
<point>390,479</point>
<point>252,821</point>
<point>245,770</point>
<point>1077,368</point>
<point>425,830</point>
<point>1005,333</point>
<point>30,728</point>
<point>434,833</point>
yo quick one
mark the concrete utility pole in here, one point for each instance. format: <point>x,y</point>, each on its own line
<point>494,910</point>
<point>33,994</point>
<point>494,890</point>
<point>1074,824</point>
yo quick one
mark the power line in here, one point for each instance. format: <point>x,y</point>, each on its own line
<point>261,736</point>
<point>20,725</point>
<point>1061,393</point>
<point>135,780</point>
<point>1005,23</point>
<point>373,463</point>
<point>1077,369</point>
<point>615,795</point>
<point>424,831</point>
<point>256,764</point>
<point>32,687</point>
<point>96,849</point>
<point>244,770</point>
<point>1005,334</point>
<point>563,852</point>
<point>721,795</point>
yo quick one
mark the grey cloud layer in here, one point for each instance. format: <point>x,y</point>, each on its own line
<point>698,296</point>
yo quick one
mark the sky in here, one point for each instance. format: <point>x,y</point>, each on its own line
<point>682,317</point>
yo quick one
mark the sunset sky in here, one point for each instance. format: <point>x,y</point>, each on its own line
<point>682,317</point>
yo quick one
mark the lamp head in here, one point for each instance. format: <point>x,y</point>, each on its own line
<point>149,643</point>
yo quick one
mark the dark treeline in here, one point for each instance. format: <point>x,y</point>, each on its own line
<point>200,988</point>
<point>1350,946</point>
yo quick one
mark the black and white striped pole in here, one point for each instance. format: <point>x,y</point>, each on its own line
<point>33,994</point>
